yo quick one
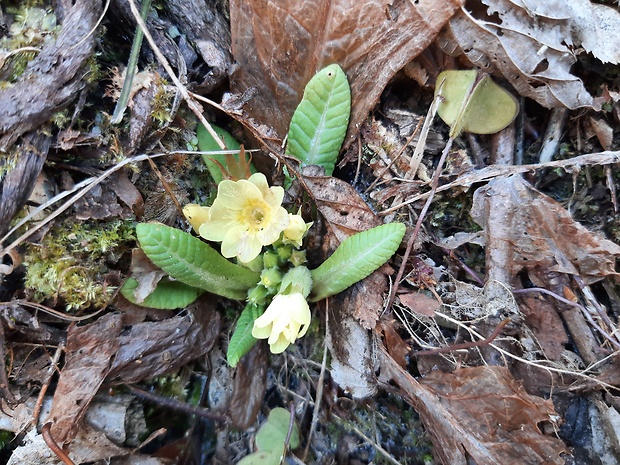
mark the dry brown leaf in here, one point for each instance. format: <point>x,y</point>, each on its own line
<point>420,303</point>
<point>494,409</point>
<point>396,347</point>
<point>543,319</point>
<point>89,351</point>
<point>152,349</point>
<point>536,232</point>
<point>280,45</point>
<point>534,44</point>
<point>249,387</point>
<point>480,415</point>
<point>340,205</point>
<point>146,273</point>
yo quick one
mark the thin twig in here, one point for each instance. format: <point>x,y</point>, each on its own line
<point>319,387</point>
<point>191,103</point>
<point>176,405</point>
<point>53,445</point>
<point>418,225</point>
<point>465,345</point>
<point>46,384</point>
<point>496,171</point>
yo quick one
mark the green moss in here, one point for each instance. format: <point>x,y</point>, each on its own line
<point>162,102</point>
<point>70,264</point>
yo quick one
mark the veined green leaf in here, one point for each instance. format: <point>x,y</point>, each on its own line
<point>357,257</point>
<point>215,162</point>
<point>242,341</point>
<point>320,121</point>
<point>168,295</point>
<point>193,262</point>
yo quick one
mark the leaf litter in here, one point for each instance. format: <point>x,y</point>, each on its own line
<point>486,413</point>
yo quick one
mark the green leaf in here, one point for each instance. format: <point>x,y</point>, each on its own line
<point>261,458</point>
<point>320,122</point>
<point>357,257</point>
<point>215,162</point>
<point>272,434</point>
<point>242,341</point>
<point>474,103</point>
<point>193,262</point>
<point>168,295</point>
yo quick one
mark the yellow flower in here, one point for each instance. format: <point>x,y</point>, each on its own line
<point>196,215</point>
<point>245,216</point>
<point>286,319</point>
<point>296,230</point>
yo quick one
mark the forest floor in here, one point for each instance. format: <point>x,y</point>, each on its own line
<point>490,335</point>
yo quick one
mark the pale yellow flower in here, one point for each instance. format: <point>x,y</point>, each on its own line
<point>196,215</point>
<point>286,319</point>
<point>296,230</point>
<point>245,216</point>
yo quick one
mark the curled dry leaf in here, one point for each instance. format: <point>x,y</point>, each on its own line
<point>280,45</point>
<point>540,234</point>
<point>479,415</point>
<point>532,44</point>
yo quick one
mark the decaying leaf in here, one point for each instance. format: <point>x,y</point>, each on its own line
<point>534,44</point>
<point>340,205</point>
<point>350,344</point>
<point>480,415</point>
<point>89,351</point>
<point>539,233</point>
<point>420,303</point>
<point>249,387</point>
<point>146,273</point>
<point>152,349</point>
<point>280,45</point>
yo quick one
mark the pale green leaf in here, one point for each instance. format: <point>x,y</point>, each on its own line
<point>193,262</point>
<point>168,295</point>
<point>242,341</point>
<point>357,257</point>
<point>320,121</point>
<point>474,103</point>
<point>272,433</point>
<point>262,458</point>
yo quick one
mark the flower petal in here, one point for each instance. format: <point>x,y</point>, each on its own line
<point>279,346</point>
<point>261,332</point>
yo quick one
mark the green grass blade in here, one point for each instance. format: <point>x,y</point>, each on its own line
<point>357,257</point>
<point>319,124</point>
<point>193,262</point>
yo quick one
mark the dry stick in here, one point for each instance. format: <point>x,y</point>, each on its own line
<point>53,445</point>
<point>418,225</point>
<point>466,345</point>
<point>374,444</point>
<point>291,424</point>
<point>191,103</point>
<point>53,367</point>
<point>491,172</point>
<point>319,387</point>
<point>176,405</point>
<point>590,297</point>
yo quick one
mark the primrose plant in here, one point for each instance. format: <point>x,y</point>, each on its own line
<point>261,259</point>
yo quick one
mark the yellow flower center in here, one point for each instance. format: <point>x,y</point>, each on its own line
<point>254,215</point>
